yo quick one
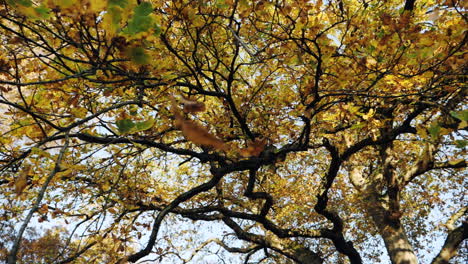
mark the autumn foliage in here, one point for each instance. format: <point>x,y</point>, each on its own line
<point>269,131</point>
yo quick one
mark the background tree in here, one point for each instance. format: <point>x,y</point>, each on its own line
<point>309,131</point>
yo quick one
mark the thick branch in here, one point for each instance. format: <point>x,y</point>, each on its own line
<point>180,199</point>
<point>453,241</point>
<point>336,234</point>
<point>258,195</point>
<point>289,249</point>
<point>409,5</point>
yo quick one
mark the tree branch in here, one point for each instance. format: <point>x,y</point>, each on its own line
<point>449,249</point>
<point>180,199</point>
<point>409,5</point>
<point>17,243</point>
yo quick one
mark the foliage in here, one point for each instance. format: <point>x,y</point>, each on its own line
<point>301,129</point>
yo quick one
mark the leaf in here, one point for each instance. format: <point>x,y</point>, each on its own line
<point>97,5</point>
<point>42,12</point>
<point>43,209</point>
<point>358,125</point>
<point>157,30</point>
<point>40,152</point>
<point>200,135</point>
<point>22,180</point>
<point>193,131</point>
<point>143,9</point>
<point>191,106</point>
<point>26,3</point>
<point>460,115</point>
<point>125,125</point>
<point>422,132</point>
<point>139,24</point>
<point>457,162</point>
<point>121,3</point>
<point>144,125</point>
<point>106,186</point>
<point>253,148</point>
<point>138,55</point>
<point>434,130</point>
<point>116,14</point>
<point>461,143</point>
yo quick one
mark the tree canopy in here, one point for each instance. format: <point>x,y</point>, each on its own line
<point>274,131</point>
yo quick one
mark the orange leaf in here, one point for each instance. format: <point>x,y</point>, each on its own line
<point>200,135</point>
<point>176,111</point>
<point>193,131</point>
<point>43,209</point>
<point>253,148</point>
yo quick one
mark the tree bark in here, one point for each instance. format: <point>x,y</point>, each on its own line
<point>451,244</point>
<point>392,232</point>
<point>306,256</point>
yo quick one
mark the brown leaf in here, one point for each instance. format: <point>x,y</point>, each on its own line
<point>176,112</point>
<point>43,209</point>
<point>193,131</point>
<point>253,148</point>
<point>191,106</point>
<point>200,135</point>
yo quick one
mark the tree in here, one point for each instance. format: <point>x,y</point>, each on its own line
<point>309,131</point>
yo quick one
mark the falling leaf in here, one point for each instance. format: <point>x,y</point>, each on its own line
<point>191,106</point>
<point>253,148</point>
<point>193,131</point>
<point>176,112</point>
<point>200,135</point>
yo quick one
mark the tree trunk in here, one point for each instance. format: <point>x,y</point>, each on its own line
<point>390,229</point>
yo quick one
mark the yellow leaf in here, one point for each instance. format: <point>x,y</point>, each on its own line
<point>79,112</point>
<point>98,5</point>
<point>22,180</point>
<point>106,187</point>
<point>456,162</point>
<point>422,131</point>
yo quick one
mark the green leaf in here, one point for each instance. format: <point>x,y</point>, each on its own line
<point>125,125</point>
<point>157,30</point>
<point>358,125</point>
<point>145,125</point>
<point>26,3</point>
<point>460,115</point>
<point>143,9</point>
<point>115,14</point>
<point>121,3</point>
<point>138,55</point>
<point>43,12</point>
<point>139,24</point>
<point>434,130</point>
<point>461,143</point>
